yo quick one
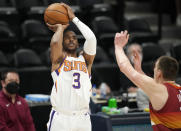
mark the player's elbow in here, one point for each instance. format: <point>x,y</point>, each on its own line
<point>92,38</point>
<point>53,42</point>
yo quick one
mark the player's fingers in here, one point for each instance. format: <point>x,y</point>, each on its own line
<point>125,32</point>
<point>65,5</point>
<point>127,37</point>
<point>65,26</point>
<point>49,25</point>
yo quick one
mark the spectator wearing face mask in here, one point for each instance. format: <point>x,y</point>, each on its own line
<point>14,111</point>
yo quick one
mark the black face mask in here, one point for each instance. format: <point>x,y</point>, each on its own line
<point>12,87</point>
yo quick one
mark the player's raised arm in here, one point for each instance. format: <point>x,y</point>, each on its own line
<point>149,86</point>
<point>56,49</point>
<point>90,43</point>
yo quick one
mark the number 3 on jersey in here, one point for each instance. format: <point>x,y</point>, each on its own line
<point>76,82</point>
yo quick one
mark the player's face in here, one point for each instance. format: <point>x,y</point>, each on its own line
<point>70,42</point>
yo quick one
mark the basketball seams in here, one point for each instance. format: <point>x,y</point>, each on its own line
<point>57,11</point>
<point>55,14</point>
<point>55,20</point>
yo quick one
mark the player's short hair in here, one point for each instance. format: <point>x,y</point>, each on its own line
<point>6,71</point>
<point>169,67</point>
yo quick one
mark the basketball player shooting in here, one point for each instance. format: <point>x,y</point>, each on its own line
<point>71,75</point>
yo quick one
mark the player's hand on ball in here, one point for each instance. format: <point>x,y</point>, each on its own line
<point>71,14</point>
<point>55,27</point>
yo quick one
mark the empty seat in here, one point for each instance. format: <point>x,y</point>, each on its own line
<point>8,38</point>
<point>151,52</point>
<point>104,24</point>
<point>35,78</point>
<point>140,31</point>
<point>87,3</point>
<point>3,60</point>
<point>176,53</point>
<point>69,2</point>
<point>31,9</point>
<point>36,35</point>
<point>101,57</point>
<point>45,57</point>
<point>26,58</point>
<point>8,11</point>
<point>105,29</point>
<point>108,73</point>
<point>101,9</point>
<point>138,25</point>
<point>6,3</point>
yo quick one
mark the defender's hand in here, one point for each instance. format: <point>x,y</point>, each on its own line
<point>121,39</point>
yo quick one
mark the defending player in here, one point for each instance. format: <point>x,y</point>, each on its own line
<point>164,94</point>
<point>72,86</point>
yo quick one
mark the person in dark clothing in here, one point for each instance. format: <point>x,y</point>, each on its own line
<point>14,111</point>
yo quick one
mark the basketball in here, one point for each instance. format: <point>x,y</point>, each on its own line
<point>56,14</point>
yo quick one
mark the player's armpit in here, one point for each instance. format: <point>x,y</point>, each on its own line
<point>89,61</point>
<point>88,58</point>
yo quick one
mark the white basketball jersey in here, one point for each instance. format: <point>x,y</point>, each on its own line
<point>72,86</point>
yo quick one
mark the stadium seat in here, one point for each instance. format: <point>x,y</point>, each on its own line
<point>150,53</point>
<point>8,40</point>
<point>3,60</point>
<point>8,12</point>
<point>108,73</point>
<point>176,53</point>
<point>6,3</point>
<point>69,2</point>
<point>105,29</point>
<point>101,57</point>
<point>45,57</point>
<point>35,77</point>
<point>140,31</point>
<point>36,35</point>
<point>26,58</point>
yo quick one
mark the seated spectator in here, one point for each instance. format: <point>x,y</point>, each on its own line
<point>14,111</point>
<point>141,97</point>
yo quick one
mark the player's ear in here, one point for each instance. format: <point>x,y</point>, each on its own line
<point>159,74</point>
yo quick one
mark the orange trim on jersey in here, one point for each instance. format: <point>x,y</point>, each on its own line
<point>59,70</point>
<point>170,120</point>
<point>177,86</point>
<point>56,85</point>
